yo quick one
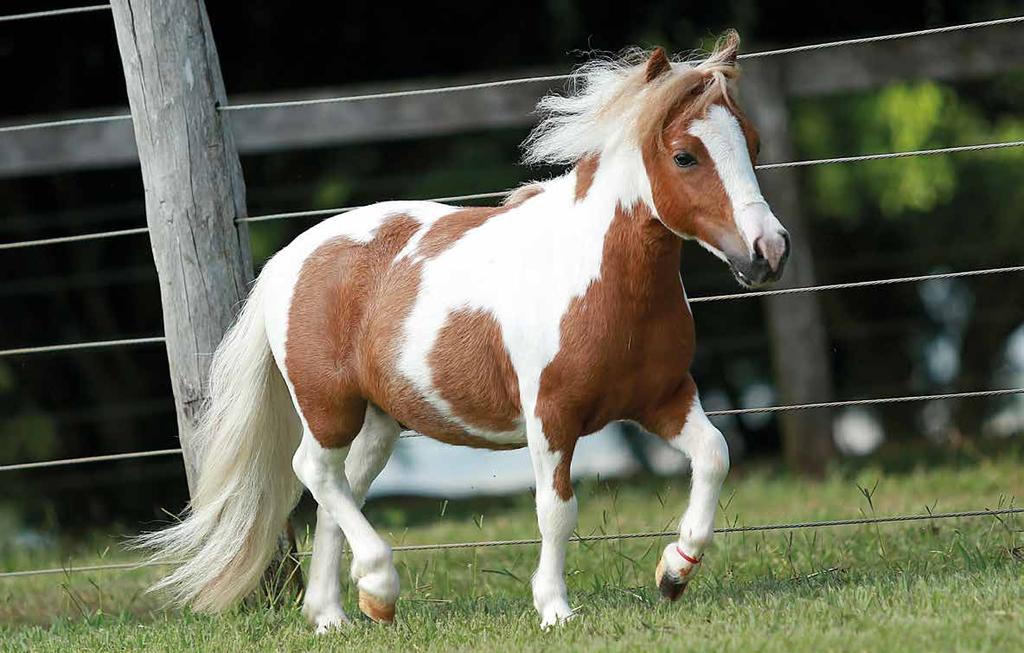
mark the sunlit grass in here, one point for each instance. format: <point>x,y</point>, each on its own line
<point>952,585</point>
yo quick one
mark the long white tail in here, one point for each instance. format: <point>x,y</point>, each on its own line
<point>246,486</point>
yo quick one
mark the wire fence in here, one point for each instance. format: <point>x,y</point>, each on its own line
<point>125,342</point>
<point>456,88</point>
<point>119,233</point>
<point>498,194</point>
<point>603,537</point>
<point>64,462</point>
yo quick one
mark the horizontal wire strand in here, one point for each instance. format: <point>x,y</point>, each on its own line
<point>890,155</point>
<point>408,548</point>
<point>346,209</point>
<point>563,77</point>
<point>764,166</point>
<point>92,344</point>
<point>64,462</point>
<point>828,523</point>
<point>54,12</point>
<point>68,122</point>
<point>863,402</point>
<point>885,37</point>
<point>838,404</point>
<point>383,95</point>
<point>855,284</point>
<point>99,235</point>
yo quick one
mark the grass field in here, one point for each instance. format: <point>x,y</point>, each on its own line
<point>951,585</point>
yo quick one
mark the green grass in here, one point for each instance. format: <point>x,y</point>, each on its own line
<point>951,585</point>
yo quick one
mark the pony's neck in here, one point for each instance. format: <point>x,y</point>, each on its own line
<point>644,253</point>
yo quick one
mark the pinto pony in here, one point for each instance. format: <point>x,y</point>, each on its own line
<point>529,324</point>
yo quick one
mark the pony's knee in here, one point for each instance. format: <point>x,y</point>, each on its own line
<point>707,449</point>
<point>714,454</point>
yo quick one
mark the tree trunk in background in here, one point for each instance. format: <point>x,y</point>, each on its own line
<point>194,192</point>
<point>800,349</point>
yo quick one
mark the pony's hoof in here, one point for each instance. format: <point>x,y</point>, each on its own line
<point>378,611</point>
<point>670,586</point>
<point>331,623</point>
<point>555,617</point>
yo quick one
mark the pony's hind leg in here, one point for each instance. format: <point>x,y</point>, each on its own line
<point>367,456</point>
<point>323,471</point>
<point>686,428</point>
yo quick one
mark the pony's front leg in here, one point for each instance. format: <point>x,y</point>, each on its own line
<point>556,517</point>
<point>686,428</point>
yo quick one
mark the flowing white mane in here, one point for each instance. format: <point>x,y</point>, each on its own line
<point>610,103</point>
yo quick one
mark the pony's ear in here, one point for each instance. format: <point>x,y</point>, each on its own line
<point>657,65</point>
<point>727,48</point>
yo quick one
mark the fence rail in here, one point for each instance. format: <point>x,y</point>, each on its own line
<point>604,537</point>
<point>565,77</point>
<point>482,85</point>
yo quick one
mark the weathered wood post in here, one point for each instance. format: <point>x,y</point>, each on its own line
<point>800,353</point>
<point>193,186</point>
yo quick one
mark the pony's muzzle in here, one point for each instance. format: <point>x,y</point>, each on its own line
<point>769,257</point>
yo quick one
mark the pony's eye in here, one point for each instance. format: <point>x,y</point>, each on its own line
<point>684,160</point>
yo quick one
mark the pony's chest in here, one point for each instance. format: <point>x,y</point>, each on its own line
<point>617,366</point>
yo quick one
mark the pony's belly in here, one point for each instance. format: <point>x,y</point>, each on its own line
<point>437,420</point>
<point>455,433</point>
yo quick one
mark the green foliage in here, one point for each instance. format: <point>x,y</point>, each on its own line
<point>900,117</point>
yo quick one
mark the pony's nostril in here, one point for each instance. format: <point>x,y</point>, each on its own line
<point>759,250</point>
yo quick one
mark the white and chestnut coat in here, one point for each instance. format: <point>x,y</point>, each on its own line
<point>528,324</point>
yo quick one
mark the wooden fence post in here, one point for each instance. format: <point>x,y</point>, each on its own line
<point>800,350</point>
<point>193,185</point>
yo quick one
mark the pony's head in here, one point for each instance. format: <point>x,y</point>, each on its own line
<point>677,131</point>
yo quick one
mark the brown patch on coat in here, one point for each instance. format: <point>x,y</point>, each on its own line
<point>395,290</point>
<point>345,335</point>
<point>626,344</point>
<point>585,171</point>
<point>473,371</point>
<point>447,230</point>
<point>378,362</point>
<point>328,305</point>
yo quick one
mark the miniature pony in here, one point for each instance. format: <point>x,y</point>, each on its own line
<point>529,324</point>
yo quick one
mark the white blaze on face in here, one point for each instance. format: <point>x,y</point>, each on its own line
<point>722,136</point>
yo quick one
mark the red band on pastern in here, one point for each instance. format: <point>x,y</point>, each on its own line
<point>690,559</point>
